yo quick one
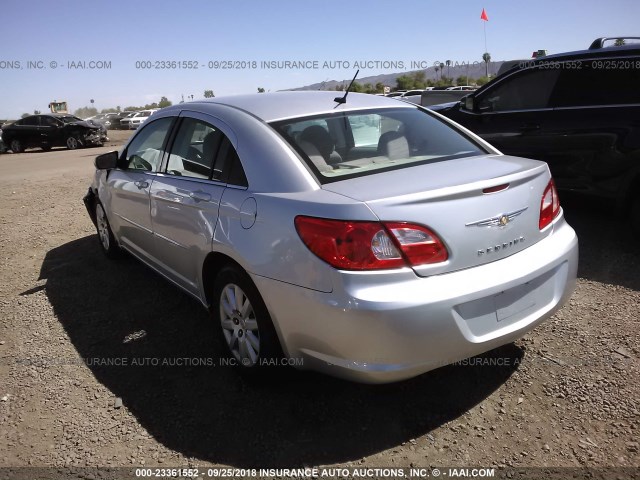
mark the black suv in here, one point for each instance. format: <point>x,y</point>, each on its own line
<point>578,111</point>
<point>51,130</point>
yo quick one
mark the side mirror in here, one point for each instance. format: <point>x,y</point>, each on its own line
<point>468,103</point>
<point>107,161</point>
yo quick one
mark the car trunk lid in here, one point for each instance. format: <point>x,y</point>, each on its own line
<point>483,208</point>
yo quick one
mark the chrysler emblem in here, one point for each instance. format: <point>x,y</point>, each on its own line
<point>498,221</point>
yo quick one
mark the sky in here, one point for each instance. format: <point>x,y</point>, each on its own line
<point>46,43</point>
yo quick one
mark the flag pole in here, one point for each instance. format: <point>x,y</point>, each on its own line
<point>484,24</point>
<point>485,19</point>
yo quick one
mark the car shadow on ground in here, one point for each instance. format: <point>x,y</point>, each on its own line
<point>609,250</point>
<point>121,310</point>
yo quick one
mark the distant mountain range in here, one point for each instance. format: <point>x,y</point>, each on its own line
<point>473,70</point>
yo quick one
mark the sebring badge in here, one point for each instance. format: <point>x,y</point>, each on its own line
<point>500,246</point>
<point>497,221</point>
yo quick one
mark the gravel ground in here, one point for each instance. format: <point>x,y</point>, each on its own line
<point>564,396</point>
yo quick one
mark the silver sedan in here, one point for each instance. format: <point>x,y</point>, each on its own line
<point>360,236</point>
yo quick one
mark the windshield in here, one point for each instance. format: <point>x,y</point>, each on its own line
<point>342,145</point>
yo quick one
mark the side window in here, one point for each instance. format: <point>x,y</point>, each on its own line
<point>31,121</point>
<point>194,149</point>
<point>49,122</point>
<point>146,149</point>
<point>598,86</point>
<point>228,167</point>
<point>525,90</point>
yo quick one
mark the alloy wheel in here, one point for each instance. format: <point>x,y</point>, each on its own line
<point>239,325</point>
<point>16,146</point>
<point>103,227</point>
<point>72,143</point>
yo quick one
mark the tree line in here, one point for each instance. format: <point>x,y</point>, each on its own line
<point>85,112</point>
<point>413,81</point>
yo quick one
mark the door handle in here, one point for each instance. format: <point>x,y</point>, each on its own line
<point>141,184</point>
<point>200,196</point>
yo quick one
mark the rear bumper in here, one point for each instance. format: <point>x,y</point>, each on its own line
<point>385,327</point>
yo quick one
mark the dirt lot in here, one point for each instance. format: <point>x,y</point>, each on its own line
<point>564,396</point>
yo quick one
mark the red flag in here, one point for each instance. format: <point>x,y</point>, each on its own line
<point>484,16</point>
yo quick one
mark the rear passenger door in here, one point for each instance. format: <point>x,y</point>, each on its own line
<point>28,132</point>
<point>185,197</point>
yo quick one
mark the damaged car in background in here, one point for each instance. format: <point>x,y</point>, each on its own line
<point>50,130</point>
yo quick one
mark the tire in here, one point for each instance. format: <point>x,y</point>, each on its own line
<point>243,321</point>
<point>16,146</point>
<point>72,142</point>
<point>107,241</point>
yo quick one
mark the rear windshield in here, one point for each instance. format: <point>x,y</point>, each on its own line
<point>349,144</point>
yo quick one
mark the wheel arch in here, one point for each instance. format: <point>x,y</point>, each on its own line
<point>213,263</point>
<point>90,201</point>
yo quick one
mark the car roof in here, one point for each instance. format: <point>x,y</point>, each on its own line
<point>630,48</point>
<point>604,52</point>
<point>58,114</point>
<point>612,51</point>
<point>274,106</point>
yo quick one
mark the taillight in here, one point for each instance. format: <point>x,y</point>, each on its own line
<point>549,205</point>
<point>354,245</point>
<point>419,245</point>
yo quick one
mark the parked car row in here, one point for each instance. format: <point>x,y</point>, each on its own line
<point>409,93</point>
<point>430,95</point>
<point>132,122</point>
<point>50,130</point>
<point>127,120</point>
<point>577,111</point>
<point>466,88</point>
<point>110,121</point>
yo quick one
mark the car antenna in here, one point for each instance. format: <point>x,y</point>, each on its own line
<point>341,100</point>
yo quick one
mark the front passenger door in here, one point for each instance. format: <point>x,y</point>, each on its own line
<point>128,188</point>
<point>514,115</point>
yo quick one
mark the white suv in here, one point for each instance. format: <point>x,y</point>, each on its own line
<point>139,118</point>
